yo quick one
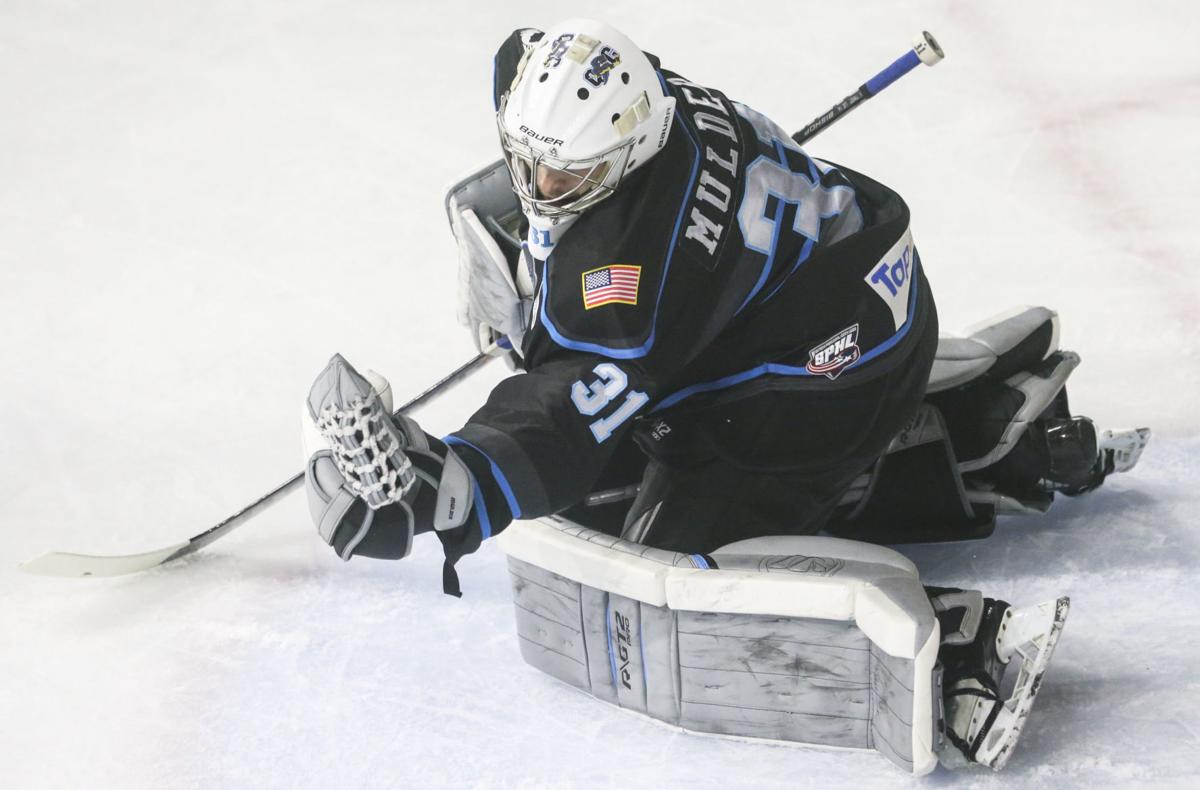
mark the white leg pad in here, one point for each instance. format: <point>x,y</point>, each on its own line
<point>811,640</point>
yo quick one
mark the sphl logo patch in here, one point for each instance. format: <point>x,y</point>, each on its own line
<point>832,356</point>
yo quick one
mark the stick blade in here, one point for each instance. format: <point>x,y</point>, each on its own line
<point>59,563</point>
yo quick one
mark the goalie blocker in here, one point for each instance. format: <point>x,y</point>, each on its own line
<point>812,640</point>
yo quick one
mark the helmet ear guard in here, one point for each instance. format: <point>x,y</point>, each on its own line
<point>637,112</point>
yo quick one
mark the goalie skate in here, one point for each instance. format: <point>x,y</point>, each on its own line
<point>984,726</point>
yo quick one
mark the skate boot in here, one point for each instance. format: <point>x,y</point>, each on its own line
<point>984,715</point>
<point>1080,461</point>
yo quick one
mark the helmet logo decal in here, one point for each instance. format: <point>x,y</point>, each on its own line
<point>557,50</point>
<point>602,64</point>
<point>551,141</point>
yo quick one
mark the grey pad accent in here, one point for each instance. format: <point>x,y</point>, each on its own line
<point>962,359</point>
<point>957,361</point>
<point>455,496</point>
<point>812,680</point>
<point>969,604</point>
<point>1003,333</point>
<point>483,213</point>
<point>329,498</point>
<point>488,191</point>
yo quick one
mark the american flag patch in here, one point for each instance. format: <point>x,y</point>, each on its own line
<point>614,284</point>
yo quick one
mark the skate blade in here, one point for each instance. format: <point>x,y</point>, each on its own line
<point>1126,447</point>
<point>1035,653</point>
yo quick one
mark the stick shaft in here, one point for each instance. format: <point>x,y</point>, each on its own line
<point>271,497</point>
<point>66,564</point>
<point>925,51</point>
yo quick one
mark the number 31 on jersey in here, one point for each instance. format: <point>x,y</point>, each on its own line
<point>592,398</point>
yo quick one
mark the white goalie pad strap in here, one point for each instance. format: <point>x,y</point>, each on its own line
<point>820,577</point>
<point>811,576</point>
<point>854,550</point>
<point>720,650</point>
<point>592,558</point>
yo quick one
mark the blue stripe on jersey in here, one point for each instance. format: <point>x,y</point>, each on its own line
<point>644,348</point>
<point>509,496</point>
<point>812,170</point>
<point>485,523</point>
<point>814,175</point>
<point>663,82</point>
<point>772,368</point>
<point>770,262</point>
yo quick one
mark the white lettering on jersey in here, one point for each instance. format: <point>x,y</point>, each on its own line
<point>815,204</point>
<point>719,162</point>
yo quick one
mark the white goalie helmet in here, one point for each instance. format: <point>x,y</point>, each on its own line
<point>585,109</point>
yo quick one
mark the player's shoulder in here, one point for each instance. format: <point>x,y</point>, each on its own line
<point>602,284</point>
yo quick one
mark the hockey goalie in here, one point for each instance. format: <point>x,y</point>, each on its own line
<point>726,346</point>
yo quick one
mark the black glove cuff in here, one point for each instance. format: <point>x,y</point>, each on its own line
<point>388,534</point>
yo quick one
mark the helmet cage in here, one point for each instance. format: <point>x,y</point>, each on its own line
<point>598,175</point>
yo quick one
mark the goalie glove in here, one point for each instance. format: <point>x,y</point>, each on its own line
<point>375,480</point>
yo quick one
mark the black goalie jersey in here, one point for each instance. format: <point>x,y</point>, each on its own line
<point>732,263</point>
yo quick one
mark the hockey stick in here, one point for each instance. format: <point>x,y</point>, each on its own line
<point>77,565</point>
<point>925,50</point>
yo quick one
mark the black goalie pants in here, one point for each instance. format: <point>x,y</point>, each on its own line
<point>765,461</point>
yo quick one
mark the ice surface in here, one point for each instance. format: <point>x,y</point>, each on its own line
<point>201,202</point>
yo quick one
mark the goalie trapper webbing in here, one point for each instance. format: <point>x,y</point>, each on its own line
<point>367,451</point>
